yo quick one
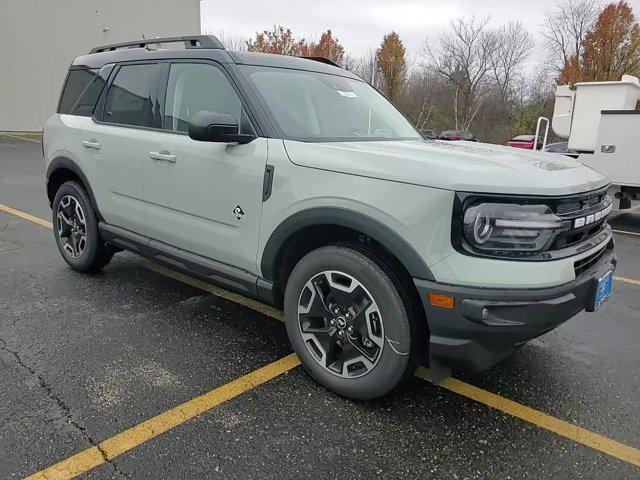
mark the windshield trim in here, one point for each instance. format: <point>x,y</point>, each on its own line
<point>246,70</point>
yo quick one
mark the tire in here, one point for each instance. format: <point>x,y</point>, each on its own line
<point>380,350</point>
<point>74,218</point>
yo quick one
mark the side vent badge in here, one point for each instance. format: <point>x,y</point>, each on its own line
<point>238,212</point>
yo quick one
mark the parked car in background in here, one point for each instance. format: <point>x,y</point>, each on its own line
<point>429,133</point>
<point>524,141</point>
<point>457,135</point>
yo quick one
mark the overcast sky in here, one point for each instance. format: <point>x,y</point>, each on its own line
<point>360,24</point>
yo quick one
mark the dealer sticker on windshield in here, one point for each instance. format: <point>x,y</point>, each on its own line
<point>603,289</point>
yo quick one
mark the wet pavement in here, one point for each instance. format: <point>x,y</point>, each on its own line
<point>84,357</point>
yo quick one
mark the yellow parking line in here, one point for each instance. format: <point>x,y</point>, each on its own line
<point>20,138</point>
<point>543,420</point>
<point>26,216</point>
<point>126,441</point>
<point>626,232</point>
<point>207,287</point>
<point>627,280</point>
<point>145,431</point>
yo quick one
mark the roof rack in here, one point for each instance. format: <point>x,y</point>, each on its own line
<point>321,60</point>
<point>191,41</point>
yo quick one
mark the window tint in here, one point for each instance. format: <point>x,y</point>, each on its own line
<point>196,86</point>
<point>80,93</point>
<point>131,99</point>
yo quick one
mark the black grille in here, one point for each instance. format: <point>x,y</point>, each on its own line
<point>576,207</point>
<point>587,262</point>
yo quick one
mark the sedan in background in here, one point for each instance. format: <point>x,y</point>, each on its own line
<point>524,141</point>
<point>457,135</point>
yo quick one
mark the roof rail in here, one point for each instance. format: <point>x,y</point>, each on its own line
<point>191,41</point>
<point>321,60</point>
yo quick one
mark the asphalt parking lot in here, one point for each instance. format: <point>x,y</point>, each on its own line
<point>87,359</point>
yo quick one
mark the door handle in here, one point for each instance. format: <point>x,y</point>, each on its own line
<point>163,156</point>
<point>91,144</point>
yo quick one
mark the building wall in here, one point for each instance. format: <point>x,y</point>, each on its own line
<point>40,38</point>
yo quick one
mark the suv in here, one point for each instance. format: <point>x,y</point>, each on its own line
<point>293,181</point>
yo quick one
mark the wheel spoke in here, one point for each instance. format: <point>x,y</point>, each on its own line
<point>356,342</point>
<point>318,305</point>
<point>74,245</point>
<point>64,224</point>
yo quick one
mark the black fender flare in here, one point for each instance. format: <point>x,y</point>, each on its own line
<point>342,217</point>
<point>66,163</point>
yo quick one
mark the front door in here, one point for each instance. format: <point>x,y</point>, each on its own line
<point>203,197</point>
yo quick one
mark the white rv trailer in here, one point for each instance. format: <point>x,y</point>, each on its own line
<point>602,126</point>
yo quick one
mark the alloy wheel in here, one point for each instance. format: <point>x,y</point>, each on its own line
<point>341,324</point>
<point>71,226</point>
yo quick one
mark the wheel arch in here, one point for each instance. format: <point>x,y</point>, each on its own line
<point>343,220</point>
<point>62,169</point>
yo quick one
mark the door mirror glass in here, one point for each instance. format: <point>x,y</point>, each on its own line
<point>208,126</point>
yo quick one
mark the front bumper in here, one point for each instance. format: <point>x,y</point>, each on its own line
<point>486,325</point>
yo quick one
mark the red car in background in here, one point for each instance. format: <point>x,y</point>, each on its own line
<point>524,141</point>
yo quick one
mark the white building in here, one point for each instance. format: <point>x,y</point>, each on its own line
<point>40,38</point>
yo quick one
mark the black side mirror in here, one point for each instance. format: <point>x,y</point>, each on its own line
<point>208,126</point>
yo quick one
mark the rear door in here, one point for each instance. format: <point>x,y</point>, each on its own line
<point>116,138</point>
<point>204,197</point>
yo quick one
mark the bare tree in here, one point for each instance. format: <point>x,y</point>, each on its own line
<point>229,42</point>
<point>464,60</point>
<point>566,26</point>
<point>513,46</point>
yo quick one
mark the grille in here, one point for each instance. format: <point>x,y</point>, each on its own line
<point>576,207</point>
<point>587,262</point>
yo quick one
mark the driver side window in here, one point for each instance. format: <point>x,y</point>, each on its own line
<point>197,86</point>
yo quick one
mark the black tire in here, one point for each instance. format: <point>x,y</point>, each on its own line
<point>397,358</point>
<point>94,254</point>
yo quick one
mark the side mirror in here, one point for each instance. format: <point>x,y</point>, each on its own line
<point>208,126</point>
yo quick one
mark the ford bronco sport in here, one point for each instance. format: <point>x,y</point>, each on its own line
<point>293,181</point>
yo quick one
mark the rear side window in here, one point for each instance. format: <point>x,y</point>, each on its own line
<point>131,99</point>
<point>80,93</point>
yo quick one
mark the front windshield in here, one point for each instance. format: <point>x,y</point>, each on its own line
<point>318,107</point>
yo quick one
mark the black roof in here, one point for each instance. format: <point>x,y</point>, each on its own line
<point>200,47</point>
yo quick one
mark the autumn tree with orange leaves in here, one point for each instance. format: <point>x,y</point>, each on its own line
<point>610,49</point>
<point>280,40</point>
<point>392,65</point>
<point>327,47</point>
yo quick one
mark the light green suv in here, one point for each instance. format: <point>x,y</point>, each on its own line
<point>293,181</point>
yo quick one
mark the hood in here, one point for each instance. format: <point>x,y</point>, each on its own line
<point>460,166</point>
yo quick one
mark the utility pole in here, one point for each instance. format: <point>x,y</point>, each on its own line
<point>374,65</point>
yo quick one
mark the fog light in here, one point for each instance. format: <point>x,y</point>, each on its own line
<point>440,300</point>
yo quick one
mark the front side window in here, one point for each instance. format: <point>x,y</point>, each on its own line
<point>318,107</point>
<point>131,99</point>
<point>197,86</point>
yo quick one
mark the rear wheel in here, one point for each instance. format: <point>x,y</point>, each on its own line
<point>348,322</point>
<point>75,228</point>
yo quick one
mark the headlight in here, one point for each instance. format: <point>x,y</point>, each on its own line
<point>511,227</point>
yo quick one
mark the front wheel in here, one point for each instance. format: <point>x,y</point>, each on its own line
<point>349,322</point>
